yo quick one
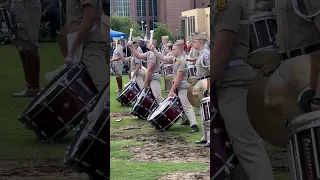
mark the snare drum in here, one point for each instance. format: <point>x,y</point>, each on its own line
<point>168,113</point>
<point>168,72</point>
<point>304,146</point>
<point>192,73</point>
<point>61,105</point>
<point>263,30</point>
<point>89,150</point>
<point>129,94</point>
<point>144,104</point>
<point>222,157</point>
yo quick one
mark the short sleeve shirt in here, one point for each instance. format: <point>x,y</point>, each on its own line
<point>151,58</point>
<point>234,17</point>
<point>202,64</point>
<point>180,65</point>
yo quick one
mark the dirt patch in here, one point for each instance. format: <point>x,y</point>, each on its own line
<point>187,176</point>
<point>121,115</point>
<point>162,147</point>
<point>36,169</point>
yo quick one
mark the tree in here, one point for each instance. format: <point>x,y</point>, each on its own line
<point>123,24</point>
<point>161,30</point>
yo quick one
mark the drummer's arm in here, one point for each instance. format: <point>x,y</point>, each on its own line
<point>137,54</point>
<point>138,66</point>
<point>166,59</point>
<point>121,57</point>
<point>226,27</point>
<point>151,67</point>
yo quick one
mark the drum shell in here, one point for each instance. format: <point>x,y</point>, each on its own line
<point>222,152</point>
<point>263,30</point>
<point>61,109</point>
<point>129,94</point>
<point>304,146</point>
<point>144,107</point>
<point>205,109</point>
<point>91,156</point>
<point>169,116</point>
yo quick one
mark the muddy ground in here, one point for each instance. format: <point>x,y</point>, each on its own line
<point>49,169</point>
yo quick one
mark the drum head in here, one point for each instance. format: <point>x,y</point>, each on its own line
<point>39,97</point>
<point>162,107</point>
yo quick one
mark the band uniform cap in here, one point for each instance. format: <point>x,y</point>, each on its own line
<point>165,37</point>
<point>200,36</point>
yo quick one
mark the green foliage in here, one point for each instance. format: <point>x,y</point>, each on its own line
<point>161,30</point>
<point>123,24</point>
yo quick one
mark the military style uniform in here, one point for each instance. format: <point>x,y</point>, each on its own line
<point>167,83</point>
<point>133,62</point>
<point>94,47</point>
<point>26,21</point>
<point>155,81</point>
<point>247,145</point>
<point>117,65</point>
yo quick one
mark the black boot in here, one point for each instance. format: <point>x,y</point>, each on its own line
<point>194,129</point>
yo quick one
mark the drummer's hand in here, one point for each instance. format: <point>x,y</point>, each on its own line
<point>171,93</point>
<point>129,44</point>
<point>131,80</point>
<point>69,59</point>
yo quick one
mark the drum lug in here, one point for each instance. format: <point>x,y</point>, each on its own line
<point>228,144</point>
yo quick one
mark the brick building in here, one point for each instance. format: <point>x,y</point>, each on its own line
<point>147,12</point>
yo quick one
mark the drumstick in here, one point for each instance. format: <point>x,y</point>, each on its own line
<point>95,113</point>
<point>130,36</point>
<point>151,36</point>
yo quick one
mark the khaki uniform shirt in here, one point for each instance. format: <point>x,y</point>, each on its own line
<point>180,65</point>
<point>235,18</point>
<point>75,16</point>
<point>293,31</point>
<point>203,60</point>
<point>134,61</point>
<point>151,58</point>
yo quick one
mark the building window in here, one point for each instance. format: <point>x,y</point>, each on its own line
<point>193,24</point>
<point>183,27</point>
<point>141,10</point>
<point>122,8</point>
<point>153,11</point>
<point>152,24</point>
<point>189,26</point>
<point>111,7</point>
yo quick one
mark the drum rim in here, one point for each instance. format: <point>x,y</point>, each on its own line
<point>70,151</point>
<point>175,98</point>
<point>33,102</point>
<point>142,99</point>
<point>126,88</point>
<point>205,100</point>
<point>262,15</point>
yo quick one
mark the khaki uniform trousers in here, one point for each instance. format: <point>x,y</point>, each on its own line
<point>205,131</point>
<point>139,81</point>
<point>27,13</point>
<point>187,107</point>
<point>155,85</point>
<point>117,68</point>
<point>254,163</point>
<point>93,57</point>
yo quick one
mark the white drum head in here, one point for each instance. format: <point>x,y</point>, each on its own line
<point>191,66</point>
<point>163,105</point>
<point>262,16</point>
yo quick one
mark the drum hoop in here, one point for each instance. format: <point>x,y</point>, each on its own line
<point>293,129</point>
<point>69,155</point>
<point>129,86</point>
<point>262,15</point>
<point>50,91</point>
<point>141,100</point>
<point>260,49</point>
<point>44,91</point>
<point>169,104</point>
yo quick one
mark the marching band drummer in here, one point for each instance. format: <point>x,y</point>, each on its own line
<point>135,63</point>
<point>230,47</point>
<point>203,60</point>
<point>26,22</point>
<point>153,77</point>
<point>180,83</point>
<point>164,51</point>
<point>117,62</point>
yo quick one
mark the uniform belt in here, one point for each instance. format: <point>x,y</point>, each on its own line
<point>300,51</point>
<point>183,81</point>
<point>205,77</point>
<point>236,62</point>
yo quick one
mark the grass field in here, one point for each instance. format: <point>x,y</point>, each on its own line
<point>138,153</point>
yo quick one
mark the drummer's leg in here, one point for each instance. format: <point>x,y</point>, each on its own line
<point>139,80</point>
<point>247,145</point>
<point>156,90</point>
<point>93,57</point>
<point>314,73</point>
<point>187,107</point>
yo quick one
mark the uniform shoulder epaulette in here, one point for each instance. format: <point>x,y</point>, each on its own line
<point>222,5</point>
